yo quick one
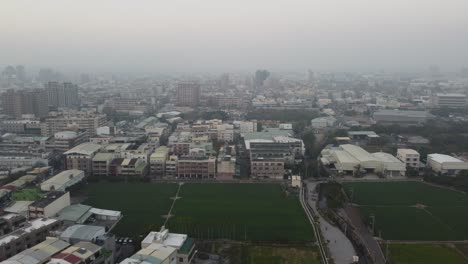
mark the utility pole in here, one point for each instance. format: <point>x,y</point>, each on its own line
<point>372,216</point>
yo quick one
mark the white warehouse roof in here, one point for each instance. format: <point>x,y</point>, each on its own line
<point>441,158</point>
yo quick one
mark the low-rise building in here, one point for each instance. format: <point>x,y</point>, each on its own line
<point>31,233</point>
<point>63,180</point>
<point>81,252</point>
<point>267,168</point>
<point>323,122</point>
<point>401,117</point>
<point>409,156</point>
<point>158,161</point>
<point>352,159</point>
<point>196,167</point>
<point>81,157</point>
<point>184,246</point>
<point>451,100</point>
<point>49,205</point>
<point>40,253</point>
<point>445,164</point>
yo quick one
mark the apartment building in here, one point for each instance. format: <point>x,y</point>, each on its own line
<point>81,157</point>
<point>158,161</point>
<point>33,232</point>
<point>49,205</point>
<point>65,140</point>
<point>267,168</point>
<point>193,167</point>
<point>88,122</point>
<point>409,156</point>
<point>188,94</point>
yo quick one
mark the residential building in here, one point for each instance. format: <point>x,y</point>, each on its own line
<point>171,166</point>
<point>101,163</point>
<point>261,168</point>
<point>16,103</point>
<point>21,126</point>
<point>81,157</point>
<point>74,121</point>
<point>323,122</point>
<point>445,164</point>
<point>38,254</point>
<point>409,156</point>
<point>158,161</point>
<point>184,246</point>
<point>62,94</point>
<point>31,233</point>
<point>49,205</point>
<point>196,167</point>
<point>81,252</point>
<point>65,140</point>
<point>188,94</point>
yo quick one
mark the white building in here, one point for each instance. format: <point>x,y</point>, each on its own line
<point>63,180</point>
<point>351,159</point>
<point>409,156</point>
<point>449,100</point>
<point>445,164</point>
<point>323,122</point>
<point>184,245</point>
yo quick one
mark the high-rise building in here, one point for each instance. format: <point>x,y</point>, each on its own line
<point>188,94</point>
<point>62,94</point>
<point>20,102</point>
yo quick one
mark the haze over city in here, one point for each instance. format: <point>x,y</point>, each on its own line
<point>217,36</point>
<point>234,132</point>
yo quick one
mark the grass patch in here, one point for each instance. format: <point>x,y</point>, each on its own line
<point>423,254</point>
<point>29,194</point>
<point>142,204</point>
<point>258,212</point>
<point>403,193</point>
<point>254,212</point>
<point>282,255</point>
<point>442,214</point>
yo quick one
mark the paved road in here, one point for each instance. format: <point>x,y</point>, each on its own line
<point>339,246</point>
<point>369,240</point>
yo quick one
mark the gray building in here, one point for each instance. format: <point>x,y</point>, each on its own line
<point>401,117</point>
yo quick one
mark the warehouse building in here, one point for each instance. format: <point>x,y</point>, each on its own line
<point>63,180</point>
<point>353,160</point>
<point>401,117</point>
<point>445,164</point>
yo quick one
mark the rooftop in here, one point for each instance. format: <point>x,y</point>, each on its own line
<point>84,149</point>
<point>82,232</point>
<point>40,253</point>
<point>48,199</point>
<point>77,213</point>
<point>441,158</point>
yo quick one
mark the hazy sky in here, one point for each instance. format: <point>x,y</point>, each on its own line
<point>218,35</point>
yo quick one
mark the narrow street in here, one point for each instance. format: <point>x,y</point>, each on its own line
<point>339,246</point>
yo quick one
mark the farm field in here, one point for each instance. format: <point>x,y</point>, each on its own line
<point>254,212</point>
<point>240,212</point>
<point>142,204</point>
<point>412,210</point>
<point>424,254</point>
